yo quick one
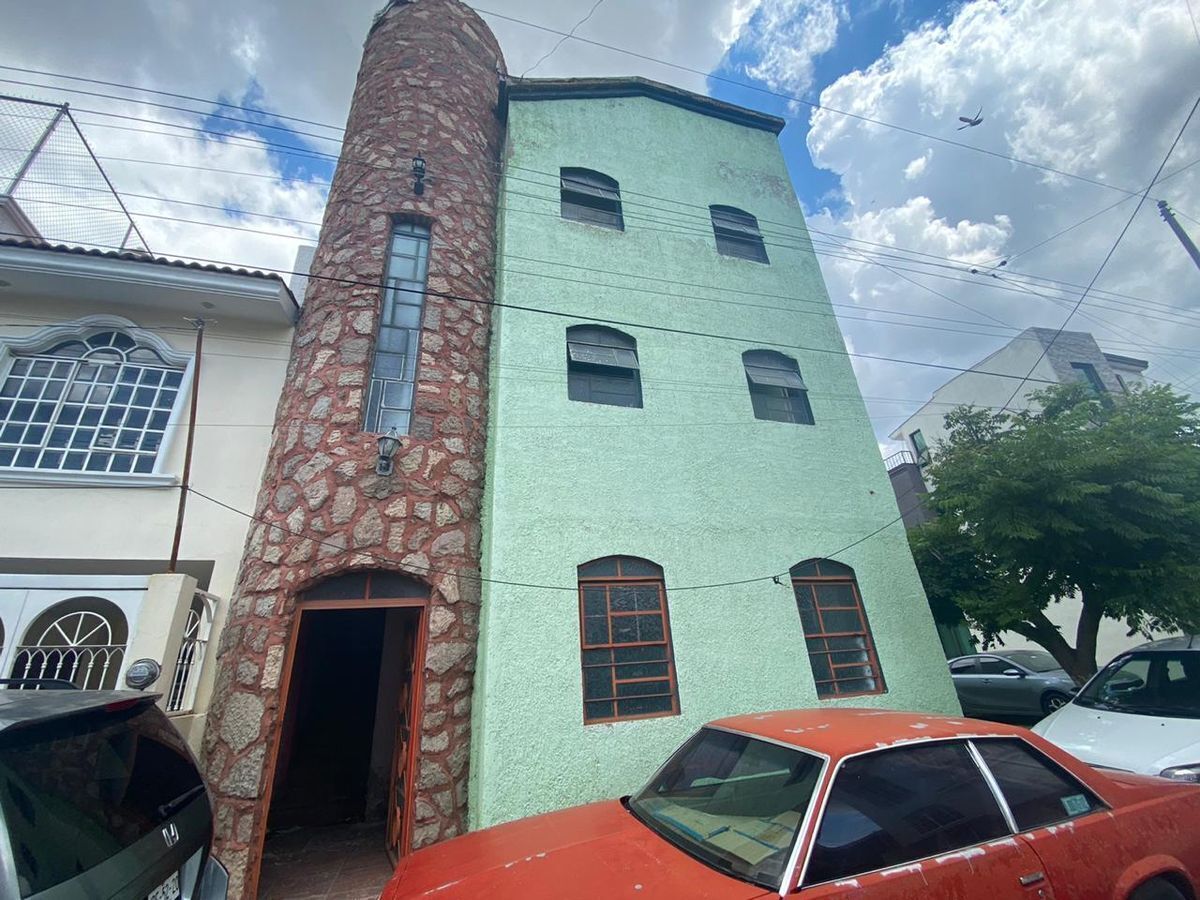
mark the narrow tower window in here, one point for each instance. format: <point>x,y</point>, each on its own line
<point>602,367</point>
<point>591,197</point>
<point>394,371</point>
<point>628,664</point>
<point>737,234</point>
<point>840,647</point>
<point>777,391</point>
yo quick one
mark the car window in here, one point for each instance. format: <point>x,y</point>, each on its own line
<point>733,802</point>
<point>962,667</point>
<point>1038,791</point>
<point>1148,683</point>
<point>895,806</point>
<point>78,790</point>
<point>991,665</point>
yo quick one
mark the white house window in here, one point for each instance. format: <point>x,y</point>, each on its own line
<point>182,695</point>
<point>81,640</point>
<point>99,401</point>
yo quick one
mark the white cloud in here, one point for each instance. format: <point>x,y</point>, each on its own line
<point>1095,87</point>
<point>916,167</point>
<point>303,56</point>
<point>788,36</point>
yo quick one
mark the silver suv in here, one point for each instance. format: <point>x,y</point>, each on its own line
<point>100,798</point>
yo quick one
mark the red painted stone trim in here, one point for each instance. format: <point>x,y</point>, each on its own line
<point>428,84</point>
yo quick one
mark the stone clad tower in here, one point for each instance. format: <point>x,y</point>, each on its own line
<point>428,86</point>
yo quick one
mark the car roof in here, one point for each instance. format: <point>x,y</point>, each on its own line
<point>845,731</point>
<point>25,707</point>
<point>1183,642</point>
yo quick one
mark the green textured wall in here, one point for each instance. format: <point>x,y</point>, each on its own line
<point>692,481</point>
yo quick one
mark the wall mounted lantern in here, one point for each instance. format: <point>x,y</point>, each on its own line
<point>388,445</point>
<point>418,170</point>
<point>142,673</point>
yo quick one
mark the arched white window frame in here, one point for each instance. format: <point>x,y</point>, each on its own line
<point>193,652</point>
<point>85,650</point>
<point>45,338</point>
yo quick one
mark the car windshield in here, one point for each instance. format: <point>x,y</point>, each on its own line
<point>1033,660</point>
<point>733,802</point>
<point>1149,683</point>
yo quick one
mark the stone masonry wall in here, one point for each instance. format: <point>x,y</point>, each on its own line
<point>428,84</point>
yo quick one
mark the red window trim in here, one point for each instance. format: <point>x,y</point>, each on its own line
<point>666,642</point>
<point>807,582</point>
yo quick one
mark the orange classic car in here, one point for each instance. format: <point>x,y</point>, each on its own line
<point>837,803</point>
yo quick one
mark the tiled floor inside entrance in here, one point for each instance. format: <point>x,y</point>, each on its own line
<point>338,862</point>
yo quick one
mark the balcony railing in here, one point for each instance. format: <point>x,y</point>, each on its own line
<point>901,458</point>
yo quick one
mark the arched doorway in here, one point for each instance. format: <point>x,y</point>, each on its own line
<point>81,640</point>
<point>345,757</point>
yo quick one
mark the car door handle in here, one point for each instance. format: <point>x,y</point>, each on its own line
<point>1032,878</point>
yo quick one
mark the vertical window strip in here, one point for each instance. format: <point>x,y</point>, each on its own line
<point>838,637</point>
<point>394,368</point>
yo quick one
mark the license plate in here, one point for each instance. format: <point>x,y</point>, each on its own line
<point>168,890</point>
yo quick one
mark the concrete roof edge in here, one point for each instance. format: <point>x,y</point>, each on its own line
<point>636,86</point>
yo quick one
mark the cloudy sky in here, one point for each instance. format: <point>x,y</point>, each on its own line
<point>1096,89</point>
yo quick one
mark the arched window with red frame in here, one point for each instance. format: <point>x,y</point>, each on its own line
<point>625,636</point>
<point>836,631</point>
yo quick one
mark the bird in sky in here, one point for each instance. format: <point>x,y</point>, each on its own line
<point>971,121</point>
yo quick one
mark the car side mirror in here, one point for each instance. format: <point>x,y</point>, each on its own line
<point>1014,673</point>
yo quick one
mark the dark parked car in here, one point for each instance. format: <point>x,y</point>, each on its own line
<point>100,798</point>
<point>1011,683</point>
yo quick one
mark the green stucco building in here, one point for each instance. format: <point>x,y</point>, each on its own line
<point>671,408</point>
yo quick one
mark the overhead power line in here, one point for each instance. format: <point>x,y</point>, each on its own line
<point>794,230</point>
<point>1111,251</point>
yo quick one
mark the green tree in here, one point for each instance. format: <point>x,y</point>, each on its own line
<point>1092,496</point>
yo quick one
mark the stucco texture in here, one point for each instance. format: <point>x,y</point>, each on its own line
<point>691,481</point>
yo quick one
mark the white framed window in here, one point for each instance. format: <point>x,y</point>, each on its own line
<point>94,401</point>
<point>181,697</point>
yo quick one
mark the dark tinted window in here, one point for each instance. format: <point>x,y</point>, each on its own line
<point>896,806</point>
<point>78,791</point>
<point>737,234</point>
<point>777,392</point>
<point>1037,789</point>
<point>963,667</point>
<point>992,665</point>
<point>591,197</point>
<point>602,367</point>
<point>1087,373</point>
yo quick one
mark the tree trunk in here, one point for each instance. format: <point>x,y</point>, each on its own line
<point>1078,661</point>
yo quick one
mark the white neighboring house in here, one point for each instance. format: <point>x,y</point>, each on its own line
<point>1071,356</point>
<point>96,365</point>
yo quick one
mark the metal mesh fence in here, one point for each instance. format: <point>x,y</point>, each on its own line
<point>47,169</point>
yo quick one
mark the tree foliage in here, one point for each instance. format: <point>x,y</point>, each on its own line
<point>1092,496</point>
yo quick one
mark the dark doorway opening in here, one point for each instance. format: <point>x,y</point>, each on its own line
<point>341,778</point>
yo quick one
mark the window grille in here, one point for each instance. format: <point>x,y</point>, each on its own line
<point>838,637</point>
<point>628,662</point>
<point>96,404</point>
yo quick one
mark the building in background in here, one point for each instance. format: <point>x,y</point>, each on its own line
<point>1030,362</point>
<point>635,456</point>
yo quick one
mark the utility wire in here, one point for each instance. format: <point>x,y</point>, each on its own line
<point>607,321</point>
<point>570,34</point>
<point>506,171</point>
<point>304,153</point>
<point>1111,251</point>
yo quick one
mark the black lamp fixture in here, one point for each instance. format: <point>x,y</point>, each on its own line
<point>388,445</point>
<point>418,170</point>
<point>142,673</point>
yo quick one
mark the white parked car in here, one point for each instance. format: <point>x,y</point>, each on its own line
<point>1140,713</point>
